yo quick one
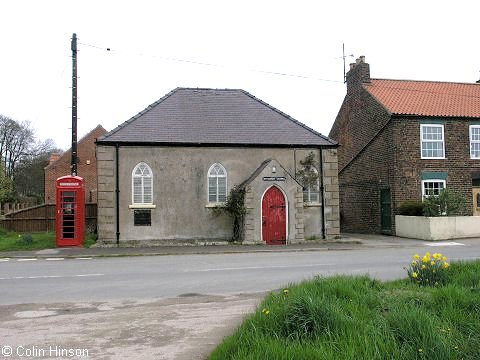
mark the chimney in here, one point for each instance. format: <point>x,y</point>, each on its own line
<point>359,74</point>
<point>53,157</point>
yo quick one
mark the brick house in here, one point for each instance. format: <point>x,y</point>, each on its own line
<point>161,173</point>
<point>403,140</point>
<point>60,165</point>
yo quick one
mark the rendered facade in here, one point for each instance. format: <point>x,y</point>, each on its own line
<point>161,173</point>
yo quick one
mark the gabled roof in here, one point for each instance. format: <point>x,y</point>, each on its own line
<point>259,170</point>
<point>192,116</point>
<point>427,98</point>
<point>99,128</point>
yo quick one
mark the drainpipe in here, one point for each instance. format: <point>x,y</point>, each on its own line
<point>322,193</point>
<point>117,195</point>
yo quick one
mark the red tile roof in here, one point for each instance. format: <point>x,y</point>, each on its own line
<point>427,98</point>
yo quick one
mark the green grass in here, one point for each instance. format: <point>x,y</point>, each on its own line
<point>346,317</point>
<point>13,241</point>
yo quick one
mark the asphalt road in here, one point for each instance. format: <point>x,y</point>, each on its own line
<point>156,277</point>
<point>174,307</point>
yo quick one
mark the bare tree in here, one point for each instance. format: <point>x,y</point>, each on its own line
<point>22,159</point>
<point>16,139</point>
<point>29,173</point>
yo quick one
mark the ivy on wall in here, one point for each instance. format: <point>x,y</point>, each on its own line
<point>234,207</point>
<point>308,174</point>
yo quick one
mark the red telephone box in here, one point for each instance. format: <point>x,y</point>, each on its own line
<point>70,211</point>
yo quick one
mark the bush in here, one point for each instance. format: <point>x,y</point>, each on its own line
<point>445,204</point>
<point>25,239</point>
<point>411,208</point>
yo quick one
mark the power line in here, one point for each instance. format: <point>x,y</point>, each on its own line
<point>216,65</point>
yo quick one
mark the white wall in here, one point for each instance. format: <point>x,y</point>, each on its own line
<point>437,228</point>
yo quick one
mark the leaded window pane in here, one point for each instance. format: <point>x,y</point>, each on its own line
<point>147,190</point>
<point>142,187</point>
<point>217,184</point>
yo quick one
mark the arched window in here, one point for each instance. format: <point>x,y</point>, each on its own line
<point>311,193</point>
<point>142,184</point>
<point>217,184</point>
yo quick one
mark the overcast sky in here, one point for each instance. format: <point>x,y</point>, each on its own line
<point>156,46</point>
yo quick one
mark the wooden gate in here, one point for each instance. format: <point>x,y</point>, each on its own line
<point>274,217</point>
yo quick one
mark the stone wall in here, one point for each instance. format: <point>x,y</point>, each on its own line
<point>331,193</point>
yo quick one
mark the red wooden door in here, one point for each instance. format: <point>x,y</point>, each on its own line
<point>274,217</point>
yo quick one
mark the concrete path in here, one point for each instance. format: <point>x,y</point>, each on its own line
<point>346,242</point>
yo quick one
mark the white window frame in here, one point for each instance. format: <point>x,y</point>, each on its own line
<point>440,181</point>
<point>422,140</point>
<point>142,177</point>
<point>473,141</point>
<point>307,192</point>
<point>217,176</point>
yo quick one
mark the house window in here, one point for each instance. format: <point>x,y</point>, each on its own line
<point>432,187</point>
<point>217,184</point>
<point>475,141</point>
<point>311,193</point>
<point>142,184</point>
<point>432,141</point>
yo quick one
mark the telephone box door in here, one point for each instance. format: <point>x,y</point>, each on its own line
<point>70,224</point>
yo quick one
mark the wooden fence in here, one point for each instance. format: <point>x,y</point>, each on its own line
<point>7,208</point>
<point>42,218</point>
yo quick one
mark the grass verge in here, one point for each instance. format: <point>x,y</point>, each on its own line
<point>13,241</point>
<point>346,317</point>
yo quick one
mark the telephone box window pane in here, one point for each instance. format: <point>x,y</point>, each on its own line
<point>68,214</point>
<point>142,217</point>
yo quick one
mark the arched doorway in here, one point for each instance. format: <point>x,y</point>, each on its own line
<point>274,217</point>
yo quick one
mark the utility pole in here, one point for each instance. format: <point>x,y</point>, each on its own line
<point>74,105</point>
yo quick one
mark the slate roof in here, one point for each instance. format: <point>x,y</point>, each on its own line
<point>193,116</point>
<point>427,98</point>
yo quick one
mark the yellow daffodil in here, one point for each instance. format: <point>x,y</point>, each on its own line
<point>444,258</point>
<point>414,275</point>
<point>265,312</point>
<point>425,259</point>
<point>432,263</point>
<point>416,257</point>
<point>446,265</point>
<point>285,292</point>
<point>423,267</point>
